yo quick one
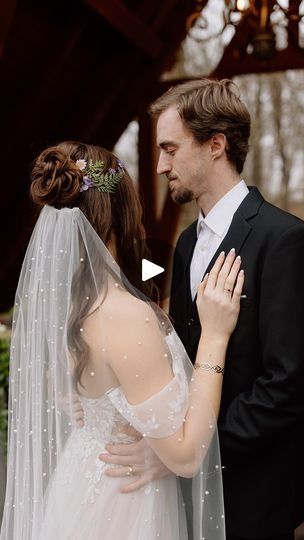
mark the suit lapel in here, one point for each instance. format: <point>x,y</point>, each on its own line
<point>237,233</point>
<point>187,261</point>
<point>189,248</point>
<point>235,237</point>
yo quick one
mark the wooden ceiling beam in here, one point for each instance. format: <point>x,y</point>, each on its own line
<point>289,58</point>
<point>7,10</point>
<point>121,18</point>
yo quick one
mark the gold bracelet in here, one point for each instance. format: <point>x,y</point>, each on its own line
<point>208,367</point>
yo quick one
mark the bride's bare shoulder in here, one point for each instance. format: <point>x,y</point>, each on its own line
<point>122,302</point>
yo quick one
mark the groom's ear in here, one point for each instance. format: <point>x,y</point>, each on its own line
<point>218,145</point>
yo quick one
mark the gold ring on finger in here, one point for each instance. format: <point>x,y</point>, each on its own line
<point>130,471</point>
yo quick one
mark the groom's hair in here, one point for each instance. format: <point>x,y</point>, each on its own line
<point>207,107</point>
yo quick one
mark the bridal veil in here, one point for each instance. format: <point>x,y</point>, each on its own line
<point>69,278</point>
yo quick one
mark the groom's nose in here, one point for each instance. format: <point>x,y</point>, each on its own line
<point>164,163</point>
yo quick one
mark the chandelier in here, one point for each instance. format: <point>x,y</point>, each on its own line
<point>262,20</point>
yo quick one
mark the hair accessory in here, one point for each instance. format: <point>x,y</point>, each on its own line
<point>94,175</point>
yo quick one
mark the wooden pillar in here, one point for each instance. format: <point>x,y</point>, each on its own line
<point>160,222</point>
<point>147,161</point>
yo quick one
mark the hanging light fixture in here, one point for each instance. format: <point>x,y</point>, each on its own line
<point>259,16</point>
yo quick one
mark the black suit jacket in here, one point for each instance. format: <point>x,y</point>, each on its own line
<point>261,417</point>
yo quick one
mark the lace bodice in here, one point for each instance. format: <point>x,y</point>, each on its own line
<point>102,421</point>
<point>102,424</point>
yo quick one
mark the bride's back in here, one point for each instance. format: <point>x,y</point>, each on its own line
<point>99,332</point>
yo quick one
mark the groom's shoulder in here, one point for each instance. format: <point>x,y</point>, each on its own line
<point>265,215</point>
<point>277,217</point>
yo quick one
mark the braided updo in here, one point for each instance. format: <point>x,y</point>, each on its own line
<point>56,179</point>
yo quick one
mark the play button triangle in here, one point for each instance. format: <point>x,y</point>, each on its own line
<point>149,269</point>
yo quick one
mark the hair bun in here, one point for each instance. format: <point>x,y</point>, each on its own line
<point>56,179</point>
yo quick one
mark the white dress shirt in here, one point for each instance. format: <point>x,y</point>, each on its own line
<point>211,231</point>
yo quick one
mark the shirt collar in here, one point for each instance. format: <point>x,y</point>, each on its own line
<point>220,216</point>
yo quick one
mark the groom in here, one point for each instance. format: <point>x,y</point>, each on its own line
<point>202,132</point>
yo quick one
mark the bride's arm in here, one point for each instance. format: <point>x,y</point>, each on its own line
<point>137,358</point>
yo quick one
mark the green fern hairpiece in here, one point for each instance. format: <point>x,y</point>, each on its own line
<point>94,175</point>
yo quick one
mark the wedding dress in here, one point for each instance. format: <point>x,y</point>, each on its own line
<point>72,304</point>
<point>83,503</point>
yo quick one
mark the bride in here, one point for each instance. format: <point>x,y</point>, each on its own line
<point>84,329</point>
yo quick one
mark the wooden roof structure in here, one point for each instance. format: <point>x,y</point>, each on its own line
<point>82,69</point>
<point>71,69</point>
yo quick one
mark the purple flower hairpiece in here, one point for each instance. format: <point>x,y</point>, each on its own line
<point>95,175</point>
<point>87,183</point>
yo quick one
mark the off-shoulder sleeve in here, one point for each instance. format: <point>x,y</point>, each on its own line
<point>163,413</point>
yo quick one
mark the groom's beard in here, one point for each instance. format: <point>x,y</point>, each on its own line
<point>182,195</point>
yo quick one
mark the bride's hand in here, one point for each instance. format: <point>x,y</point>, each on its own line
<point>218,296</point>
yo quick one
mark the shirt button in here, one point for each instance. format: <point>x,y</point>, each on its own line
<point>190,322</point>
